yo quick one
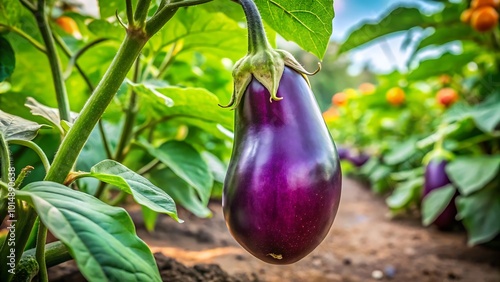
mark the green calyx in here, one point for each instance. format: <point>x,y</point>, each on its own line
<point>262,61</point>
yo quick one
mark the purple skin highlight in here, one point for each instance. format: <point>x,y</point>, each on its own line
<point>283,184</point>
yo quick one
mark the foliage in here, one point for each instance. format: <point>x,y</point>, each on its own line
<point>462,127</point>
<point>131,114</point>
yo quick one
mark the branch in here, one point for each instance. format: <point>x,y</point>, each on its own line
<point>24,35</point>
<point>74,57</point>
<point>55,65</point>
<point>33,146</point>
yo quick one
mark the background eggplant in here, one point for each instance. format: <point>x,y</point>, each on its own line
<point>436,177</point>
<point>283,185</point>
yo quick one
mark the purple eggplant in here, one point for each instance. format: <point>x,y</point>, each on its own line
<point>358,159</point>
<point>283,185</point>
<point>436,177</point>
<point>343,153</point>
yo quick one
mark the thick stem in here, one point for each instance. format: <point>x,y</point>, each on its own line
<point>257,40</point>
<point>55,253</point>
<point>74,141</point>
<point>55,64</point>
<point>40,253</point>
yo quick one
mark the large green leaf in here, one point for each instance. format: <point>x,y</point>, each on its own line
<point>435,203</point>
<point>101,238</point>
<point>49,114</point>
<point>480,212</point>
<point>446,63</point>
<point>196,29</point>
<point>487,114</point>
<point>184,102</point>
<point>399,19</point>
<point>401,152</point>
<point>16,128</point>
<point>307,23</point>
<point>181,192</point>
<point>7,59</point>
<point>143,191</point>
<point>472,173</point>
<point>405,193</point>
<point>186,163</point>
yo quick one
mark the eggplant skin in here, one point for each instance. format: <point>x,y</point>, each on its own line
<point>436,177</point>
<point>283,185</point>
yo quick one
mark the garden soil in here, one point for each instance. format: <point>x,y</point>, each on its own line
<point>365,244</point>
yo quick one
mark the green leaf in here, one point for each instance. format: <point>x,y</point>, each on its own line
<point>405,193</point>
<point>472,173</point>
<point>480,212</point>
<point>184,102</point>
<point>435,203</point>
<point>149,216</point>
<point>446,63</point>
<point>486,115</point>
<point>143,191</point>
<point>7,59</point>
<point>16,128</point>
<point>47,113</point>
<point>401,152</point>
<point>307,23</point>
<point>186,163</point>
<point>181,192</point>
<point>195,29</point>
<point>399,19</point>
<point>101,238</point>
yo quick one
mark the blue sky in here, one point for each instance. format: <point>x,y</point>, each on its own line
<point>350,13</point>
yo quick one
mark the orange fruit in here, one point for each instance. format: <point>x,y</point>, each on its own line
<point>445,79</point>
<point>484,19</point>
<point>466,15</point>
<point>68,25</point>
<point>395,96</point>
<point>331,114</point>
<point>340,99</point>
<point>447,96</point>
<point>484,3</point>
<point>367,88</point>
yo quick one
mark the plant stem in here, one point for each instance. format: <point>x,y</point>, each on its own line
<point>24,35</point>
<point>55,64</point>
<point>130,15</point>
<point>166,12</point>
<point>75,139</point>
<point>148,167</point>
<point>105,142</point>
<point>33,146</point>
<point>40,252</point>
<point>130,116</point>
<point>55,253</point>
<point>141,12</point>
<point>257,40</point>
<point>74,57</point>
<point>68,53</point>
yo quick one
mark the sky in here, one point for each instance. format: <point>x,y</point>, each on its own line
<point>351,13</point>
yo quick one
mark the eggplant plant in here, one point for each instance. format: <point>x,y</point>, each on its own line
<point>144,80</point>
<point>283,185</point>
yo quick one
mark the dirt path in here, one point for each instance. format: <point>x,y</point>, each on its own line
<point>362,244</point>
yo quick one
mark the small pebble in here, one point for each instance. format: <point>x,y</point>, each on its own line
<point>390,271</point>
<point>377,274</point>
<point>317,262</point>
<point>347,261</point>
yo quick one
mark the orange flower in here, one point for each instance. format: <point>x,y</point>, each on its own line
<point>484,19</point>
<point>331,114</point>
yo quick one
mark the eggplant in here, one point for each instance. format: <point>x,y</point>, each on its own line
<point>359,159</point>
<point>343,152</point>
<point>283,185</point>
<point>436,177</point>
